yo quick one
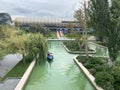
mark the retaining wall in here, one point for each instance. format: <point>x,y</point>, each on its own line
<point>25,77</point>
<point>90,77</point>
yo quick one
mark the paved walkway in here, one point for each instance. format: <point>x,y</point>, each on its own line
<point>6,65</point>
<point>9,84</point>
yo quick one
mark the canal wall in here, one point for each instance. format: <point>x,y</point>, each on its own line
<point>25,77</point>
<point>77,52</point>
<point>90,77</point>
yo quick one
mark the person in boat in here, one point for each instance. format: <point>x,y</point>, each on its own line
<point>50,56</point>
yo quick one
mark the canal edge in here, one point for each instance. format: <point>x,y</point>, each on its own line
<point>90,77</point>
<point>77,52</point>
<point>25,77</point>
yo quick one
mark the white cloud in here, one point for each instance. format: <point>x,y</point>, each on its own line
<point>40,8</point>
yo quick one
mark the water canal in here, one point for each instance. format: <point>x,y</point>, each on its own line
<point>100,50</point>
<point>61,74</point>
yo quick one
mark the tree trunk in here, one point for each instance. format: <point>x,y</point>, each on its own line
<point>79,45</point>
<point>23,58</point>
<point>86,44</point>
<point>86,29</point>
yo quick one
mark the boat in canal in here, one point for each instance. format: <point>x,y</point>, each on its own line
<point>50,56</point>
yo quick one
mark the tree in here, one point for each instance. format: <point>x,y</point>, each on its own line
<point>12,41</point>
<point>16,41</point>
<point>99,17</point>
<point>105,19</point>
<point>113,38</point>
<point>82,16</point>
<point>37,28</point>
<point>36,48</point>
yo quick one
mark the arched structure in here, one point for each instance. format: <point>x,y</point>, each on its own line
<point>5,19</point>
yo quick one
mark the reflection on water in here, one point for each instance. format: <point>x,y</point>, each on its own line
<point>49,62</point>
<point>60,74</point>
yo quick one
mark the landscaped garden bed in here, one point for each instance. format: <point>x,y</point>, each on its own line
<point>73,47</point>
<point>105,77</point>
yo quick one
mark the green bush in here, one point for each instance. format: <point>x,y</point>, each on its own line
<point>108,79</point>
<point>72,45</point>
<point>116,74</point>
<point>105,80</point>
<point>100,68</point>
<point>89,66</point>
<point>70,35</point>
<point>96,61</point>
<point>92,71</point>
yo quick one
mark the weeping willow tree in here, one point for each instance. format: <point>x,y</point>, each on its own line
<point>36,48</point>
<point>6,34</point>
<point>14,41</point>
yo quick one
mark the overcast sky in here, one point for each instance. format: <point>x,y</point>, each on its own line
<point>40,8</point>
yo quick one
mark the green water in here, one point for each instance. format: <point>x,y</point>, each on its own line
<point>100,51</point>
<point>61,74</point>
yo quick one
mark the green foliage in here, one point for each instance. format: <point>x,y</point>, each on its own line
<point>116,74</point>
<point>115,9</point>
<point>16,41</point>
<point>108,79</point>
<point>105,21</point>
<point>93,71</point>
<point>37,28</point>
<point>7,33</point>
<point>17,71</point>
<point>52,35</point>
<point>36,47</point>
<point>99,17</point>
<point>70,35</point>
<point>113,38</point>
<point>82,17</point>
<point>105,80</point>
<point>73,45</point>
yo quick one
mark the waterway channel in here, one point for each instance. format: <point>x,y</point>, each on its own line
<point>61,74</point>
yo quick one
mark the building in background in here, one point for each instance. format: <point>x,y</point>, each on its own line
<point>5,19</point>
<point>54,24</point>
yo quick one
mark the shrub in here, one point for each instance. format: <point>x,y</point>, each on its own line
<point>96,61</point>
<point>89,66</point>
<point>105,80</point>
<point>81,59</point>
<point>108,79</point>
<point>72,45</point>
<point>116,74</point>
<point>93,71</point>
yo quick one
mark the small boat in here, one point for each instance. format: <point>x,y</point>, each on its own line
<point>50,56</point>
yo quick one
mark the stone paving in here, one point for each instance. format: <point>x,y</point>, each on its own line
<point>9,84</point>
<point>6,65</point>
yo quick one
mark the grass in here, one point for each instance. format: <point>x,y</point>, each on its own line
<point>53,35</point>
<point>17,71</point>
